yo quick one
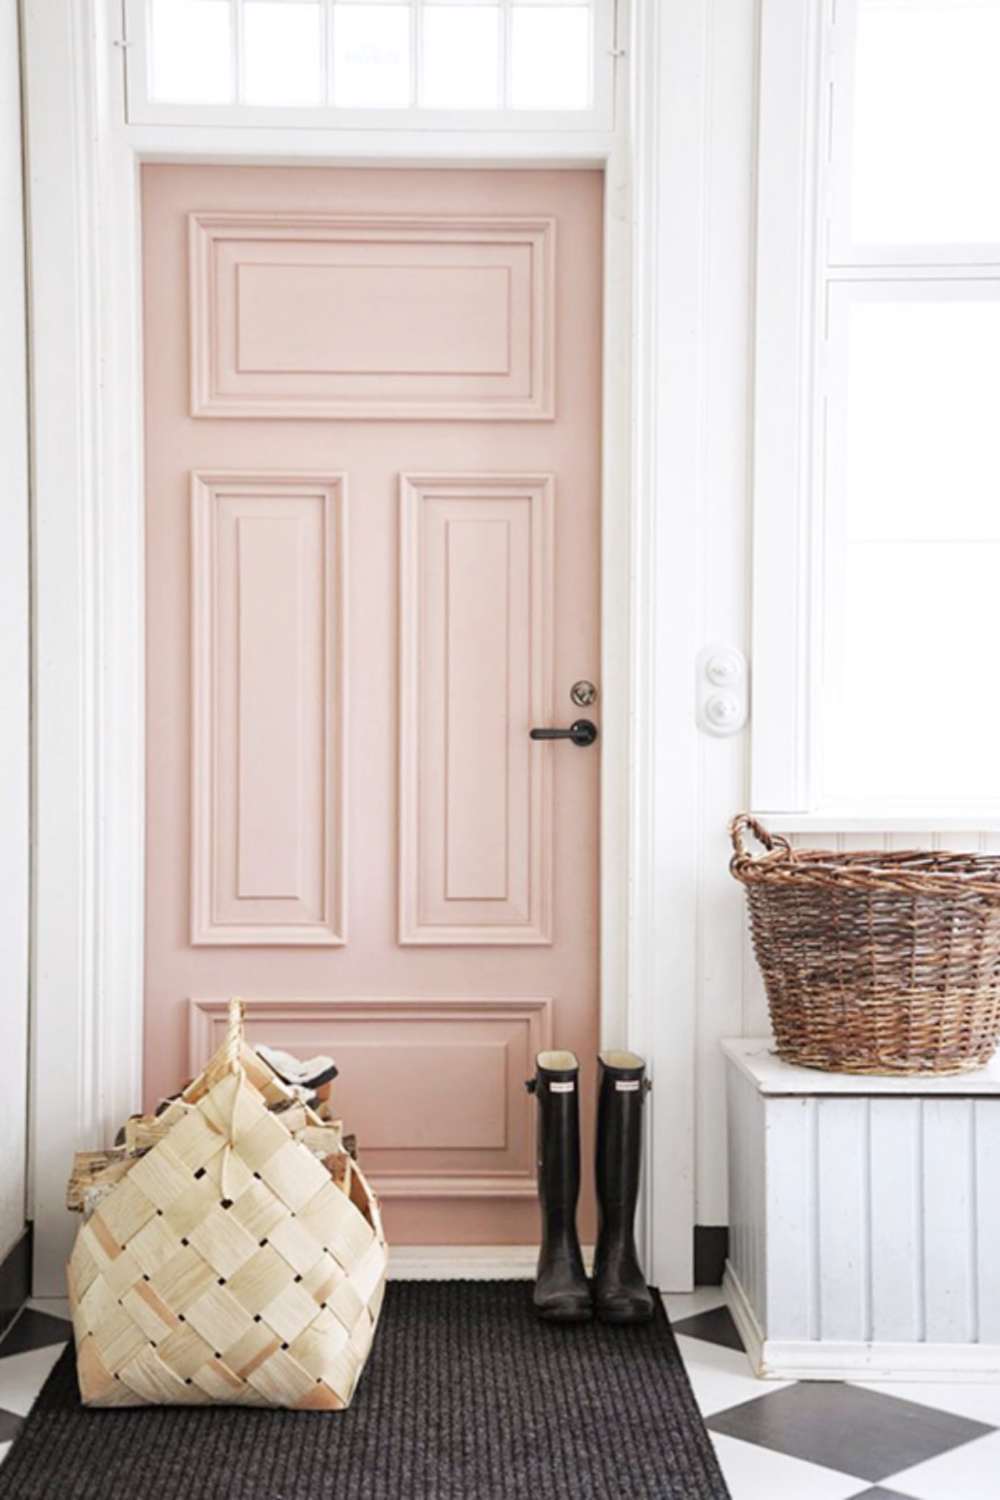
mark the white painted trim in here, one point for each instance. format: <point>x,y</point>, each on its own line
<point>88,616</point>
<point>463,1263</point>
<point>15,614</point>
<point>874,1363</point>
<point>86,389</point>
<point>669,125</point>
<point>241,146</point>
<point>772,1077</point>
<point>467,1262</point>
<point>746,1322</point>
<point>784,403</point>
<point>923,822</point>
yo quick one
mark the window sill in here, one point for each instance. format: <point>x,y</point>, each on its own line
<point>896,821</point>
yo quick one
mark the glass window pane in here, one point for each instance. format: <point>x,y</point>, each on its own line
<point>908,708</point>
<point>461,57</point>
<point>282,52</point>
<point>371,56</point>
<point>914,716</point>
<point>550,57</point>
<point>926,122</point>
<point>191,52</point>
<point>923,419</point>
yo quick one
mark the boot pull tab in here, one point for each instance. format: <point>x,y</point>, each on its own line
<point>531,1084</point>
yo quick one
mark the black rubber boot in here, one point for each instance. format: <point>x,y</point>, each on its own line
<point>620,1291</point>
<point>562,1294</point>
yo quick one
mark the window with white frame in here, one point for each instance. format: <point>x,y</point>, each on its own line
<point>507,64</point>
<point>877,466</point>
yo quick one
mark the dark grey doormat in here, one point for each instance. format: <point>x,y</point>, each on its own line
<point>465,1397</point>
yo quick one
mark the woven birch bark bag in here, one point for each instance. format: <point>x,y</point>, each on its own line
<point>238,1260</point>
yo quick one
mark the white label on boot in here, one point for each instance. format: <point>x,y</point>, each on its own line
<point>626,1085</point>
<point>562,1088</point>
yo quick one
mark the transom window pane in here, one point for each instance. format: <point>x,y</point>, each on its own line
<point>282,52</point>
<point>926,122</point>
<point>550,57</point>
<point>371,56</point>
<point>461,57</point>
<point>192,51</point>
<point>474,56</point>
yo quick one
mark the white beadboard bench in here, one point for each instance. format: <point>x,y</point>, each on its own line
<point>864,1221</point>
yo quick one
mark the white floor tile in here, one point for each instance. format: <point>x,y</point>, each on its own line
<point>966,1473</point>
<point>980,1403</point>
<point>722,1377</point>
<point>23,1375</point>
<point>754,1473</point>
<point>4,1450</point>
<point>56,1307</point>
<point>686,1304</point>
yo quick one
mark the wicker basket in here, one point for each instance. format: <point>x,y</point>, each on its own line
<point>229,1264</point>
<point>875,962</point>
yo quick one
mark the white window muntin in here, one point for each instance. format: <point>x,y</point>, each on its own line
<point>144,108</point>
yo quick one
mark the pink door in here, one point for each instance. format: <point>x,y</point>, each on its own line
<point>372,422</point>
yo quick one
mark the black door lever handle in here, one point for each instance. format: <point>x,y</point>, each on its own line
<point>582,732</point>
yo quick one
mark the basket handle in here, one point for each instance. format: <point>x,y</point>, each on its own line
<point>234,1047</point>
<point>234,1033</point>
<point>744,823</point>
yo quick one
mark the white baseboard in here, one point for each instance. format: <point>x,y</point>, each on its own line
<point>815,1359</point>
<point>745,1319</point>
<point>466,1262</point>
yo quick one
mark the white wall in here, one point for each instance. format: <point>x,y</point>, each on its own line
<point>726,1003</point>
<point>14,745</point>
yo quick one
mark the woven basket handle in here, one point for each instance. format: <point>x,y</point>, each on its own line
<point>234,1034</point>
<point>744,823</point>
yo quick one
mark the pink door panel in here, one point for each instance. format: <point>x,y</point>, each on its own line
<point>267,704</point>
<point>441,317</point>
<point>475,804</point>
<point>373,521</point>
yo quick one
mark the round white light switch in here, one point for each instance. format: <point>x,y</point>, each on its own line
<point>721,690</point>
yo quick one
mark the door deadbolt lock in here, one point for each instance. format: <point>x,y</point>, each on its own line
<point>583,693</point>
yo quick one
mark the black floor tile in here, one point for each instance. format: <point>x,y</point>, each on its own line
<point>9,1424</point>
<point>846,1428</point>
<point>715,1326</point>
<point>35,1330</point>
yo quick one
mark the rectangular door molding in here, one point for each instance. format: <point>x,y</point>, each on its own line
<point>433,1088</point>
<point>267,848</point>
<point>476,622</point>
<point>337,315</point>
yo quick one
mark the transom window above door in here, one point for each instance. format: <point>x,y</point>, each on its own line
<point>507,64</point>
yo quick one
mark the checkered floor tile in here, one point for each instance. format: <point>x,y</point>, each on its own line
<point>27,1353</point>
<point>818,1440</point>
<point>776,1440</point>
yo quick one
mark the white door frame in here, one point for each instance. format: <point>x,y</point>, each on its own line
<point>85,320</point>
